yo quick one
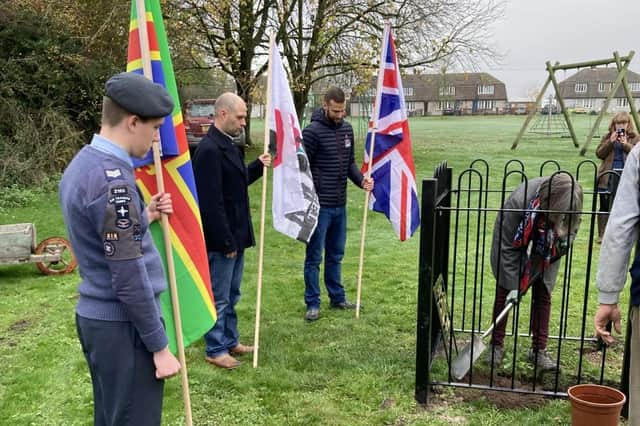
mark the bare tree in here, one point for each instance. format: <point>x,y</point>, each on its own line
<point>327,38</point>
<point>226,34</point>
<point>457,32</point>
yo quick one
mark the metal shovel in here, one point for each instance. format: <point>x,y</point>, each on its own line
<point>463,362</point>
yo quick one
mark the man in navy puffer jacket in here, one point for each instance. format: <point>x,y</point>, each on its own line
<point>328,141</point>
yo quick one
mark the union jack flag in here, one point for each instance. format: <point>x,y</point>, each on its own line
<point>393,170</point>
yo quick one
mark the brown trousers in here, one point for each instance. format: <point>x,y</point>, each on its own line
<point>540,315</point>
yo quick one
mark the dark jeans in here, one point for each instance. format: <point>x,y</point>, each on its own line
<point>226,277</point>
<point>125,388</point>
<point>330,235</point>
<point>540,315</point>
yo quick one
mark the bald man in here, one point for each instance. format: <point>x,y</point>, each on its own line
<point>222,180</point>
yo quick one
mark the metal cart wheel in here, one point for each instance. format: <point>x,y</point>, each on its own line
<point>56,246</point>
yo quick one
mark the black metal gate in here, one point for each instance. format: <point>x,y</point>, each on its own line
<point>456,289</point>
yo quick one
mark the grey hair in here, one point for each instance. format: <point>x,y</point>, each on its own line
<point>561,192</point>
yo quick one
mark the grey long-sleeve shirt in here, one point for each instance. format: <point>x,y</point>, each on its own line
<point>621,233</point>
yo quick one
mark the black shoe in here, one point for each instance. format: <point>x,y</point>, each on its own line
<point>312,314</point>
<point>343,305</point>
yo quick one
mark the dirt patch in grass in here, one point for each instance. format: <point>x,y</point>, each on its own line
<point>500,399</point>
<point>19,327</point>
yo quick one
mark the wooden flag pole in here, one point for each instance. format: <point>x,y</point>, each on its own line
<point>376,114</point>
<point>157,162</point>
<point>263,202</point>
<point>364,223</point>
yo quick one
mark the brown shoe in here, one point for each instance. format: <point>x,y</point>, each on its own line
<point>223,361</point>
<point>241,349</point>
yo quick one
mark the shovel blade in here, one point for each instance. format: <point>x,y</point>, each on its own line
<point>461,365</point>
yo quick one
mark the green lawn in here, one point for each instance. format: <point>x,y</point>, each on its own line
<point>337,371</point>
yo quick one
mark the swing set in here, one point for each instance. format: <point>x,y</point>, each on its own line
<point>622,64</point>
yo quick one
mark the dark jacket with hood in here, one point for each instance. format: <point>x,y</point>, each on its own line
<point>329,146</point>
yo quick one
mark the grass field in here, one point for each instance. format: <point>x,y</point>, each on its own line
<point>337,371</point>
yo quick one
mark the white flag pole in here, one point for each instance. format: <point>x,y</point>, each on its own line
<point>157,162</point>
<point>265,170</point>
<point>375,116</point>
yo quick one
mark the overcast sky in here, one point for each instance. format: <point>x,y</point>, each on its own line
<point>568,31</point>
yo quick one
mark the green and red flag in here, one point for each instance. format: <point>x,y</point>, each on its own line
<point>197,309</point>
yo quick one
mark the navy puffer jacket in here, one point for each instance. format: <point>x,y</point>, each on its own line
<point>329,146</point>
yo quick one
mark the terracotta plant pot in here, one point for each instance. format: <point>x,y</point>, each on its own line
<point>595,405</point>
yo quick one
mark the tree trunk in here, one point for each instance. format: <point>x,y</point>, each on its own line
<point>300,99</point>
<point>245,94</point>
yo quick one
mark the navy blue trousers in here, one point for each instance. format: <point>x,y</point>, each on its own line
<point>125,388</point>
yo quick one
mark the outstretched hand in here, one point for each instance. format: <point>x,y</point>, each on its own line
<point>512,297</point>
<point>604,314</point>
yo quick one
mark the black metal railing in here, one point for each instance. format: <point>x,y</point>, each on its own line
<point>457,287</point>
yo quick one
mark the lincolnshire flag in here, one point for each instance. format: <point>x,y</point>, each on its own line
<point>295,204</point>
<point>393,172</point>
<point>197,310</point>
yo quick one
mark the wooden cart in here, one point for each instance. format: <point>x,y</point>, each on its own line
<point>52,256</point>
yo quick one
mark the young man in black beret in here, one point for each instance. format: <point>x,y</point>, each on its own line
<point>118,315</point>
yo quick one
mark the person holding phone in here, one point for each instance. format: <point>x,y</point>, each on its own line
<point>613,150</point>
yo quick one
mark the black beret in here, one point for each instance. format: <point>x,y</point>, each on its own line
<point>139,95</point>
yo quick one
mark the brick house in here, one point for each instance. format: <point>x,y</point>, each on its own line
<point>588,89</point>
<point>437,94</point>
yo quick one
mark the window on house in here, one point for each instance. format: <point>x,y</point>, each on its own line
<point>408,91</point>
<point>581,88</point>
<point>622,102</point>
<point>603,86</point>
<point>634,86</point>
<point>485,104</point>
<point>587,103</point>
<point>486,89</point>
<point>447,105</point>
<point>448,91</point>
<point>411,106</point>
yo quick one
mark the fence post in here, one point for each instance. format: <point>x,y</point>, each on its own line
<point>434,248</point>
<point>425,281</point>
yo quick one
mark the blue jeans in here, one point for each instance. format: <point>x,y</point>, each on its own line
<point>226,276</point>
<point>330,235</point>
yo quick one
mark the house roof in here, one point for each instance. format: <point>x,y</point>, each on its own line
<point>592,77</point>
<point>426,87</point>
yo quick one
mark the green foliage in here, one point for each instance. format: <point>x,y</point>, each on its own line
<point>51,88</point>
<point>45,66</point>
<point>39,144</point>
<point>15,196</point>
